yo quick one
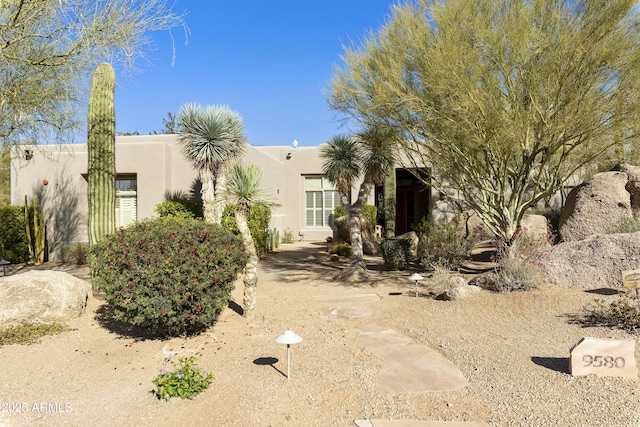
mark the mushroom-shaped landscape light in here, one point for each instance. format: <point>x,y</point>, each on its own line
<point>288,337</point>
<point>415,277</point>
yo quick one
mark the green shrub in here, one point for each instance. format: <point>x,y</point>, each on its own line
<point>258,222</point>
<point>185,381</point>
<point>171,275</point>
<point>191,204</point>
<point>339,211</point>
<point>396,253</point>
<point>371,213</point>
<point>342,249</point>
<point>75,253</point>
<point>13,237</point>
<point>172,208</point>
<point>622,313</point>
<point>442,243</point>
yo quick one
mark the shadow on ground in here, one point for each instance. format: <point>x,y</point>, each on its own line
<point>558,364</point>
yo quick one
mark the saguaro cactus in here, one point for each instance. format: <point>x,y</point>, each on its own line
<point>35,232</point>
<point>102,154</point>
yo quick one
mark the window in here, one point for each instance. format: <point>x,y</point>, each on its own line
<point>126,200</point>
<point>320,200</point>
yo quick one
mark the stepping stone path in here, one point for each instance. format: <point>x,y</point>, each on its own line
<point>412,423</point>
<point>409,368</point>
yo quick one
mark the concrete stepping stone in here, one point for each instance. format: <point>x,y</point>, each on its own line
<point>417,368</point>
<point>377,336</point>
<point>346,313</point>
<point>414,423</point>
<point>348,298</point>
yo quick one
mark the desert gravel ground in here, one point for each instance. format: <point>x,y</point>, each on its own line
<point>513,349</point>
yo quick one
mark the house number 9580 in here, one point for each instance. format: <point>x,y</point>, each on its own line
<point>603,361</point>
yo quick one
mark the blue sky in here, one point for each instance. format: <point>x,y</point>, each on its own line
<point>268,60</point>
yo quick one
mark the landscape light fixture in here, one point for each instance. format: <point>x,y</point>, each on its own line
<point>4,264</point>
<point>415,277</point>
<point>288,337</point>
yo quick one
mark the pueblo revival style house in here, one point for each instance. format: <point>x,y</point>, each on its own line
<point>150,167</point>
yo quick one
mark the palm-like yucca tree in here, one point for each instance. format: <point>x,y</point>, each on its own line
<point>370,155</point>
<point>244,190</point>
<point>211,137</point>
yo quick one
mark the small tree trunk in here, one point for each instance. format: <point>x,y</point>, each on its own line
<point>208,195</point>
<point>355,234</point>
<point>219,190</point>
<point>251,269</point>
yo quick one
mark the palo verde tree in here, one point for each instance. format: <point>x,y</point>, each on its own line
<point>244,190</point>
<point>368,157</point>
<point>211,137</point>
<point>505,100</point>
<point>49,48</point>
<point>101,147</point>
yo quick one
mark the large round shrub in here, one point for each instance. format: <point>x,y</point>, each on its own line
<point>172,275</point>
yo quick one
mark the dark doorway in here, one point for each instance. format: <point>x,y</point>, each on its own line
<point>412,200</point>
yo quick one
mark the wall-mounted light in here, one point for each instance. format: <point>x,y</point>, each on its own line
<point>28,154</point>
<point>288,156</point>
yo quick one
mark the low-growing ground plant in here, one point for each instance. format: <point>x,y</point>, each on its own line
<point>171,275</point>
<point>441,278</point>
<point>75,253</point>
<point>622,313</point>
<point>185,381</point>
<point>30,333</point>
<point>287,237</point>
<point>341,249</point>
<point>519,266</point>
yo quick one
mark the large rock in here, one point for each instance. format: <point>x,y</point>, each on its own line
<point>41,296</point>
<point>633,185</point>
<point>370,245</point>
<point>536,227</point>
<point>595,262</point>
<point>594,205</point>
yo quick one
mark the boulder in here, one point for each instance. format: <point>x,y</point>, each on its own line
<point>594,205</point>
<point>593,263</point>
<point>535,226</point>
<point>41,296</point>
<point>370,245</point>
<point>458,289</point>
<point>633,185</point>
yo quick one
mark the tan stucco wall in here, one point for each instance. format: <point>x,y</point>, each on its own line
<point>160,167</point>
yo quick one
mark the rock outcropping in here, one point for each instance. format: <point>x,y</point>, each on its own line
<point>41,296</point>
<point>595,262</point>
<point>593,206</point>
